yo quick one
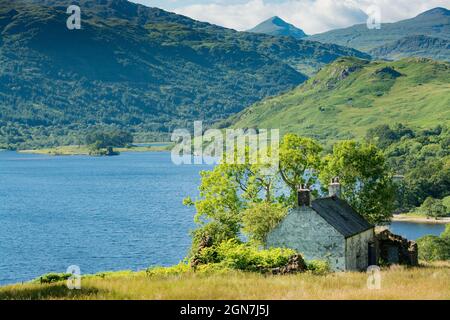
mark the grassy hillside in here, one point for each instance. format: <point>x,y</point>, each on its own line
<point>349,96</point>
<point>414,46</point>
<point>434,23</point>
<point>133,66</point>
<point>429,281</point>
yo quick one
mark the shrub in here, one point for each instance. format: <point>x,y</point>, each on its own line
<point>239,256</point>
<point>52,278</point>
<point>433,248</point>
<point>318,267</point>
<point>446,233</point>
<point>176,270</point>
<point>434,208</point>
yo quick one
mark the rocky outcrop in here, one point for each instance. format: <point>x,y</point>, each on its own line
<point>394,249</point>
<point>295,264</point>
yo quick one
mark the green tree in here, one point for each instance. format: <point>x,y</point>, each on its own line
<point>299,161</point>
<point>446,233</point>
<point>365,179</point>
<point>219,207</point>
<point>433,208</point>
<point>433,248</point>
<point>260,218</point>
<point>104,138</point>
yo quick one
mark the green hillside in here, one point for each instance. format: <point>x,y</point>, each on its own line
<point>350,96</point>
<point>133,67</point>
<point>414,46</point>
<point>434,23</point>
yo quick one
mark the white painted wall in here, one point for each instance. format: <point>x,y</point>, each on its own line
<point>357,251</point>
<point>309,234</point>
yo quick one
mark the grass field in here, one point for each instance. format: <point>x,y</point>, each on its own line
<point>430,281</point>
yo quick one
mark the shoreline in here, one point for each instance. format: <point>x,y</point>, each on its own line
<point>84,150</point>
<point>405,218</point>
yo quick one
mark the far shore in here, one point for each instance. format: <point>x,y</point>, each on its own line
<point>84,150</point>
<point>418,219</point>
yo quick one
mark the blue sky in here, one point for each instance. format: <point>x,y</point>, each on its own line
<point>313,16</point>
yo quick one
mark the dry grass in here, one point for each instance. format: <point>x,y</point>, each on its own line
<point>431,281</point>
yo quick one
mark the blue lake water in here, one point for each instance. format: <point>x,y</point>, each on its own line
<point>107,213</point>
<point>413,231</point>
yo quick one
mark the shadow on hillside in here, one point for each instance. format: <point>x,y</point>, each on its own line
<point>59,291</point>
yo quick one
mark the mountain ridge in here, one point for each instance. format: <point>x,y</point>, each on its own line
<point>433,23</point>
<point>136,67</point>
<point>350,96</point>
<point>276,26</point>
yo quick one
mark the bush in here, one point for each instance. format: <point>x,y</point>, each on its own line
<point>434,208</point>
<point>52,278</point>
<point>318,267</point>
<point>433,248</point>
<point>234,255</point>
<point>446,233</point>
<point>176,270</point>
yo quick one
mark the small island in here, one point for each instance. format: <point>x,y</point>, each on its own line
<point>102,143</point>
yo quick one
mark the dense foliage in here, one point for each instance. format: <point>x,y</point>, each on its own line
<point>433,248</point>
<point>240,256</point>
<point>420,157</point>
<point>365,178</point>
<point>244,200</point>
<point>109,138</point>
<point>133,66</point>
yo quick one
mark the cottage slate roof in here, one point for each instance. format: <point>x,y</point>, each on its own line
<point>341,216</point>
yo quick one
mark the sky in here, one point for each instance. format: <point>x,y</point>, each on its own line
<point>313,16</point>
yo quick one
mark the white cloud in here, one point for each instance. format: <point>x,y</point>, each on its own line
<point>313,16</point>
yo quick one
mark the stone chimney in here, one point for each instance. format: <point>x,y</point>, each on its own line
<point>334,188</point>
<point>304,197</point>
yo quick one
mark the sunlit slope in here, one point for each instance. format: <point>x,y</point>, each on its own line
<point>350,96</point>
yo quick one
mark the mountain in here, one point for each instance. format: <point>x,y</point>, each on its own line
<point>276,26</point>
<point>434,23</point>
<point>349,96</point>
<point>414,46</point>
<point>134,67</point>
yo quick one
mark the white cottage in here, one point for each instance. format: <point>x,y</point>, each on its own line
<point>327,229</point>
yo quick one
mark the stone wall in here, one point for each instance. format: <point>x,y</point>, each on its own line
<point>357,251</point>
<point>393,249</point>
<point>309,234</point>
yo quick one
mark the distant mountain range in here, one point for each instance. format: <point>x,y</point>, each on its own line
<point>276,26</point>
<point>414,46</point>
<point>136,67</point>
<point>350,96</point>
<point>426,35</point>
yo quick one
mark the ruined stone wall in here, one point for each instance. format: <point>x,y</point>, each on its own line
<point>357,251</point>
<point>394,249</point>
<point>308,233</point>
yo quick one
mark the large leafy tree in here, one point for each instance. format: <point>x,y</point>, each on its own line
<point>433,208</point>
<point>251,199</point>
<point>219,207</point>
<point>365,178</point>
<point>299,161</point>
<point>226,193</point>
